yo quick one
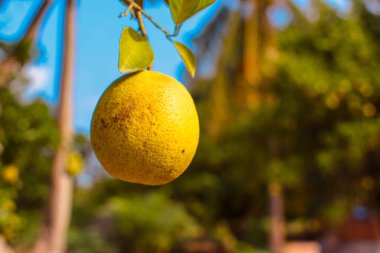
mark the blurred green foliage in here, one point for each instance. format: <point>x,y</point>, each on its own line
<point>310,123</point>
<point>28,139</point>
<point>28,136</point>
<point>147,223</point>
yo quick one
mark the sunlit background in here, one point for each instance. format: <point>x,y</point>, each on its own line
<point>288,94</point>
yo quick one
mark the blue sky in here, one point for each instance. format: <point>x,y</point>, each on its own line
<point>98,33</point>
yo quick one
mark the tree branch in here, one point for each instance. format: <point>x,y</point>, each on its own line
<point>31,32</point>
<point>10,64</point>
<point>4,247</point>
<point>138,8</point>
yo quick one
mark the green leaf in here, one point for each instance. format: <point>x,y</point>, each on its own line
<point>135,52</point>
<point>187,57</point>
<point>184,9</point>
<point>203,4</point>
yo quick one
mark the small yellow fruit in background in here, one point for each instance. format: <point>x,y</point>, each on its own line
<point>75,163</point>
<point>10,174</point>
<point>145,128</point>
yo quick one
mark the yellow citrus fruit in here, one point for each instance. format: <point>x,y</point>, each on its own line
<point>145,128</point>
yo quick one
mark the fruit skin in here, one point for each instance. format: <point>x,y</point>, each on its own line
<point>145,128</point>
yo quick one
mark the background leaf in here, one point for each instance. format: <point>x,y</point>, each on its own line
<point>184,9</point>
<point>135,52</point>
<point>203,4</point>
<point>187,57</point>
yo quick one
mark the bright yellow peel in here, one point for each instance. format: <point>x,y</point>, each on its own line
<point>145,128</point>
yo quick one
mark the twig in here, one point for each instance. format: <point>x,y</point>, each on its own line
<point>125,13</point>
<point>139,9</point>
<point>176,30</point>
<point>142,28</point>
<point>141,23</point>
<point>156,24</point>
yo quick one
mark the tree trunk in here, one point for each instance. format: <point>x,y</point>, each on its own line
<point>52,238</point>
<point>4,247</point>
<point>251,56</point>
<point>10,64</point>
<point>277,231</point>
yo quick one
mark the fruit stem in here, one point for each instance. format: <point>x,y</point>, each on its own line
<point>138,10</point>
<point>142,28</point>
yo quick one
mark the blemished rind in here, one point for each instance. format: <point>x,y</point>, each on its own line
<point>145,128</point>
